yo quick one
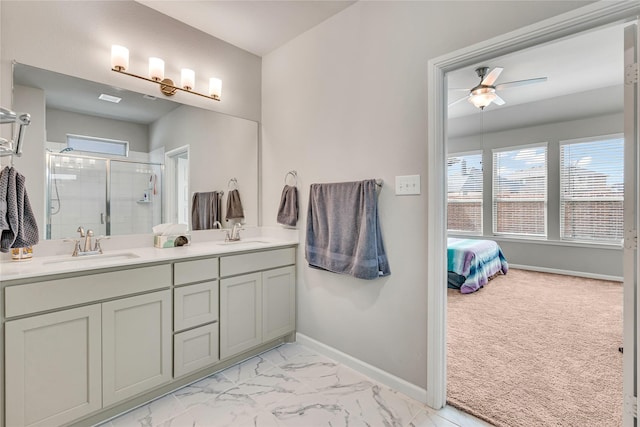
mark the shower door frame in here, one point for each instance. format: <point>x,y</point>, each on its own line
<point>107,161</point>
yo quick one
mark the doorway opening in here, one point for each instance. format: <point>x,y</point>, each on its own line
<point>177,173</point>
<point>588,18</point>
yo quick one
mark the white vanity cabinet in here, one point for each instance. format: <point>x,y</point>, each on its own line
<point>195,315</point>
<point>80,347</point>
<point>136,345</point>
<point>71,362</point>
<point>54,370</point>
<point>257,299</point>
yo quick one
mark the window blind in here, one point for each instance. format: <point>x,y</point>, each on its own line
<point>464,193</point>
<point>592,190</point>
<point>520,191</point>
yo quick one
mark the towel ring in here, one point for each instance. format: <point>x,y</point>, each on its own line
<point>294,174</point>
<point>233,184</point>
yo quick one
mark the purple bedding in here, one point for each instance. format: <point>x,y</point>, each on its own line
<point>473,262</point>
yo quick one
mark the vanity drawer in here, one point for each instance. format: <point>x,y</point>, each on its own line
<point>195,305</point>
<point>256,261</point>
<point>54,294</point>
<point>195,271</point>
<point>195,349</point>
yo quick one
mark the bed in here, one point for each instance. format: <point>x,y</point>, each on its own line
<point>471,263</point>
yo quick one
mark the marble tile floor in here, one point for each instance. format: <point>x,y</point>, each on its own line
<point>289,386</point>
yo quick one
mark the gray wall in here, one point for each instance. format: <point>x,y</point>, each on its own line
<point>347,101</point>
<point>60,123</point>
<point>552,254</point>
<point>221,147</point>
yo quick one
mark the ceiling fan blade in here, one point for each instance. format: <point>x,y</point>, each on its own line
<point>517,83</point>
<point>498,101</point>
<point>458,101</point>
<point>491,78</point>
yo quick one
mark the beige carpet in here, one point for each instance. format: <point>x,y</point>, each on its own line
<point>537,349</point>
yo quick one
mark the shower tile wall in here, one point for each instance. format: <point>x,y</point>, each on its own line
<point>81,193</point>
<point>134,206</point>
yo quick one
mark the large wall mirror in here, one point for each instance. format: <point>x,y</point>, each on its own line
<point>115,181</point>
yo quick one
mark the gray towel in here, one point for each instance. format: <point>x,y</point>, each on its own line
<point>206,209</point>
<point>234,206</point>
<point>22,228</point>
<point>343,230</point>
<point>4,184</point>
<point>288,210</point>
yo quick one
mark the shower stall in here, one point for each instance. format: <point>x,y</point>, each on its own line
<point>110,196</point>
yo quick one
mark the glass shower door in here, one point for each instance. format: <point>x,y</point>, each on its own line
<point>135,198</point>
<point>77,188</point>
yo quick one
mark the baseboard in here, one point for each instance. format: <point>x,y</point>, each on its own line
<point>567,272</point>
<point>396,383</point>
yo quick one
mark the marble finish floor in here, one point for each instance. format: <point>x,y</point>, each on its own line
<point>290,385</point>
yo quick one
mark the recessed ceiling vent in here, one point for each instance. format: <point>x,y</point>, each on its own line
<point>109,98</point>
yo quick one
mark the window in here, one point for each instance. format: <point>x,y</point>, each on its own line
<point>98,145</point>
<point>591,190</point>
<point>464,193</point>
<point>520,191</point>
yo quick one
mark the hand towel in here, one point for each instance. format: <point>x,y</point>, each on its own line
<point>206,209</point>
<point>4,184</point>
<point>343,230</point>
<point>288,210</point>
<point>22,228</point>
<point>234,206</point>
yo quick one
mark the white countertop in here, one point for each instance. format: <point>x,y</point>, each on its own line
<point>60,264</point>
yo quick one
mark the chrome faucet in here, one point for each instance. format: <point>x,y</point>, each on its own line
<point>217,225</point>
<point>87,241</point>
<point>235,233</point>
<point>79,250</point>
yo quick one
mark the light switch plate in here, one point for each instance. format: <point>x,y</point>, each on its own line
<point>407,185</point>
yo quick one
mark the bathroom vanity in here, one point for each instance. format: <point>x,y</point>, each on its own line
<point>85,340</point>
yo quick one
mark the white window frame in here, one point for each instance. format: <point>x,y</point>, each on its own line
<point>114,142</point>
<point>561,193</point>
<point>464,232</point>
<point>494,200</point>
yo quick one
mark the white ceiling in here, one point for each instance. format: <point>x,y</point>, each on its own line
<point>256,26</point>
<point>588,66</point>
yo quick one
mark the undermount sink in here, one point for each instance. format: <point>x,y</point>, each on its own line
<point>95,258</point>
<point>245,241</point>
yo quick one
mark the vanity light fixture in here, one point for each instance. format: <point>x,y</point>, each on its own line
<point>120,63</point>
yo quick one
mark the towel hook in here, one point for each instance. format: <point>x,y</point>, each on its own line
<point>233,184</point>
<point>294,174</point>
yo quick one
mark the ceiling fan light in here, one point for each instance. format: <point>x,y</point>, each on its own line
<point>482,97</point>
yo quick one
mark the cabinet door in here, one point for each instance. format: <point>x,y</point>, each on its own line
<point>240,314</point>
<point>278,302</point>
<point>195,349</point>
<point>136,345</point>
<point>195,305</point>
<point>53,370</point>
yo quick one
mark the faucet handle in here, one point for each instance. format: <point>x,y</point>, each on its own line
<point>76,245</point>
<point>97,246</point>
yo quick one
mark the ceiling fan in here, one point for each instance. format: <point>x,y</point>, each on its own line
<point>485,92</point>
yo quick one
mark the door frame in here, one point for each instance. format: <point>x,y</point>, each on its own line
<point>588,17</point>
<point>170,177</point>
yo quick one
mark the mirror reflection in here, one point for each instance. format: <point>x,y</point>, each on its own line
<point>105,160</point>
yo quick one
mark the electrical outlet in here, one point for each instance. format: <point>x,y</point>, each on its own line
<point>407,185</point>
